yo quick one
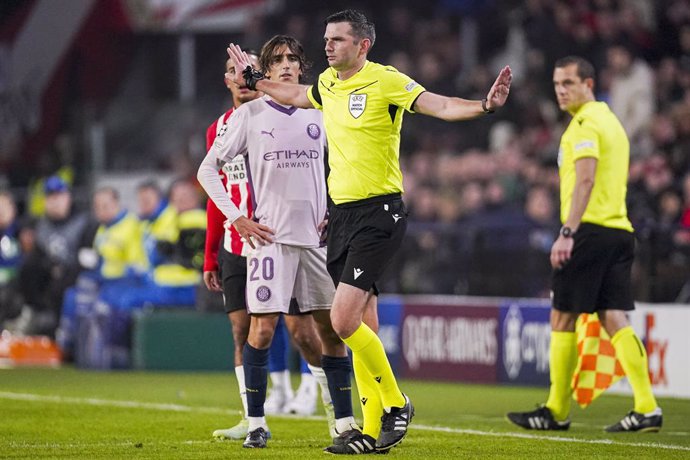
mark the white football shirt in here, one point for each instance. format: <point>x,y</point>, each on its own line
<point>285,149</point>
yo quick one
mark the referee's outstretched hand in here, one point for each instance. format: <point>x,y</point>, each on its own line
<point>252,231</point>
<point>240,61</point>
<point>498,94</point>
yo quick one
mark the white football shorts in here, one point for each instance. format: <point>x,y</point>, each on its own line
<point>278,272</point>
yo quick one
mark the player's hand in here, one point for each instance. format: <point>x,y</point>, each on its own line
<point>561,251</point>
<point>251,231</point>
<point>322,228</point>
<point>240,60</point>
<point>212,281</point>
<point>498,94</point>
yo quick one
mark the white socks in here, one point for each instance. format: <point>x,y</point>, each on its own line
<point>281,383</point>
<point>320,377</point>
<point>257,422</point>
<point>344,424</point>
<point>239,373</point>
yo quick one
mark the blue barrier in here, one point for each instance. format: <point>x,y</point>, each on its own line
<point>524,337</point>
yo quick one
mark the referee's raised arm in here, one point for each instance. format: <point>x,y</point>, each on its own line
<point>457,109</point>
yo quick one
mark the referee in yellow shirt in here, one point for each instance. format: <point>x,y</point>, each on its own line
<point>593,255</point>
<point>363,105</point>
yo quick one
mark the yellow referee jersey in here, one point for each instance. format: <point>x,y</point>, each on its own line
<point>362,117</point>
<point>595,132</point>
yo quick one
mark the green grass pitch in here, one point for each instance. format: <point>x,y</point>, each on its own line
<point>68,413</point>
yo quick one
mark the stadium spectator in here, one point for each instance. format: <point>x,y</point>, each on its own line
<point>187,251</point>
<point>173,238</point>
<point>115,260</point>
<point>10,257</point>
<point>47,168</point>
<point>118,244</point>
<point>632,95</point>
<point>158,220</point>
<point>542,224</point>
<point>685,213</point>
<point>171,228</point>
<point>53,265</point>
<point>592,256</point>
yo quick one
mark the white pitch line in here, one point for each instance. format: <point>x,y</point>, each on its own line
<point>499,434</point>
<point>213,410</point>
<point>111,403</point>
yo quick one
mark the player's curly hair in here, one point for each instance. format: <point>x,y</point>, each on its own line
<point>271,46</point>
<point>361,26</point>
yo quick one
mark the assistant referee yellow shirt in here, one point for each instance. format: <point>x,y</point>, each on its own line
<point>362,117</point>
<point>595,132</point>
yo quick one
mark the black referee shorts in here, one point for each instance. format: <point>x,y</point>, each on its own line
<point>362,238</point>
<point>232,270</point>
<point>598,275</point>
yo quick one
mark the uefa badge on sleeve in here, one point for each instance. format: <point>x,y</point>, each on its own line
<point>357,104</point>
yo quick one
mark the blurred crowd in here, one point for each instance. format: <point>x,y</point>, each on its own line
<point>57,263</point>
<point>483,194</point>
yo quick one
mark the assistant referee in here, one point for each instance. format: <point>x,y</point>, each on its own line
<point>593,255</point>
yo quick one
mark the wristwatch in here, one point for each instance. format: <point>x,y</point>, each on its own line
<point>566,232</point>
<point>485,108</point>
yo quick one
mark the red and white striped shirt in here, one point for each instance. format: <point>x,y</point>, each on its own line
<point>235,180</point>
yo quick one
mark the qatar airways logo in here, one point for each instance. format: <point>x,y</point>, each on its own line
<point>279,155</point>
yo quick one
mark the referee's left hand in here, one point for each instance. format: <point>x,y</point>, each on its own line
<point>240,60</point>
<point>561,251</point>
<point>498,94</point>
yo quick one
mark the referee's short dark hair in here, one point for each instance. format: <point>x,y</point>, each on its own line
<point>585,69</point>
<point>361,26</point>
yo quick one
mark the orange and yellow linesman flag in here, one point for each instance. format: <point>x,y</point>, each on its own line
<point>597,367</point>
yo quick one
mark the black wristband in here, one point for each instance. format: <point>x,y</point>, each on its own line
<point>485,108</point>
<point>251,76</point>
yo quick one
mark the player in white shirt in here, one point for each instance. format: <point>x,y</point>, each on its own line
<point>284,148</point>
